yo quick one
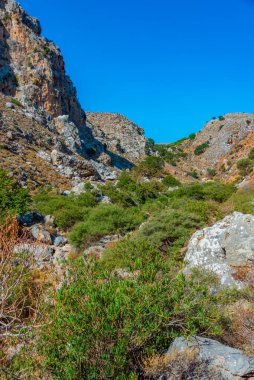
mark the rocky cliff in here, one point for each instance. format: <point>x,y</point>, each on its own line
<point>33,76</point>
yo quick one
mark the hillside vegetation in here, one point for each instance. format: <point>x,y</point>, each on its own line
<point>112,315</point>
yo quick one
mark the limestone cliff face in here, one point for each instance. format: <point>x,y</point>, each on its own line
<point>120,135</point>
<point>32,71</point>
<point>36,66</point>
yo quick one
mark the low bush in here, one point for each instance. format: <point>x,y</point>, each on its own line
<point>16,102</point>
<point>242,201</point>
<point>251,154</point>
<point>245,166</point>
<point>67,210</point>
<point>171,153</point>
<point>216,191</point>
<point>14,199</point>
<point>211,172</point>
<point>151,167</point>
<point>170,180</point>
<point>119,323</point>
<point>201,148</point>
<point>104,220</point>
<point>131,191</point>
<point>170,228</point>
<point>193,174</point>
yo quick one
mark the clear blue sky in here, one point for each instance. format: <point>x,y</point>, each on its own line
<point>167,65</point>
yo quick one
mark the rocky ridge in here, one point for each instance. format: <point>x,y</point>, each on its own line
<point>221,143</point>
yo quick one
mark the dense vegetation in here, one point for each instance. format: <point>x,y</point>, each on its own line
<point>110,315</point>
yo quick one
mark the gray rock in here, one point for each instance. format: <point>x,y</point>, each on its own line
<point>9,105</point>
<point>41,253</point>
<point>223,248</point>
<point>59,241</point>
<point>226,362</point>
<point>50,220</point>
<point>44,155</point>
<point>41,234</point>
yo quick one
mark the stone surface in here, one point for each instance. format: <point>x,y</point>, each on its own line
<point>120,135</point>
<point>59,241</point>
<point>40,233</point>
<point>226,362</point>
<point>223,248</point>
<point>41,253</point>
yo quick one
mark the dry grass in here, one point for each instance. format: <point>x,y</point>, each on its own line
<point>178,365</point>
<point>241,334</point>
<point>19,293</point>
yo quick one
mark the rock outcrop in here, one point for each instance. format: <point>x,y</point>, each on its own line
<point>34,84</point>
<point>226,249</point>
<point>120,135</point>
<point>219,362</point>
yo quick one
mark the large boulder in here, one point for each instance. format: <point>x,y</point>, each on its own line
<point>219,361</point>
<point>226,248</point>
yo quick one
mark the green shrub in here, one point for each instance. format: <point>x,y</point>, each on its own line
<point>201,148</point>
<point>14,199</point>
<point>170,228</point>
<point>118,323</point>
<point>242,201</point>
<point>251,154</point>
<point>130,191</point>
<point>67,210</point>
<point>152,166</point>
<point>104,220</point>
<point>171,181</point>
<point>211,172</point>
<point>46,50</point>
<point>221,118</point>
<point>193,174</point>
<point>216,191</point>
<point>245,166</point>
<point>192,136</point>
<point>220,127</point>
<point>171,153</point>
<point>16,102</point>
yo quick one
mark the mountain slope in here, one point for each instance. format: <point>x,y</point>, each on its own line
<point>216,149</point>
<point>32,71</point>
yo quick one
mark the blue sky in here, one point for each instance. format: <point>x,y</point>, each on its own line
<point>167,65</point>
